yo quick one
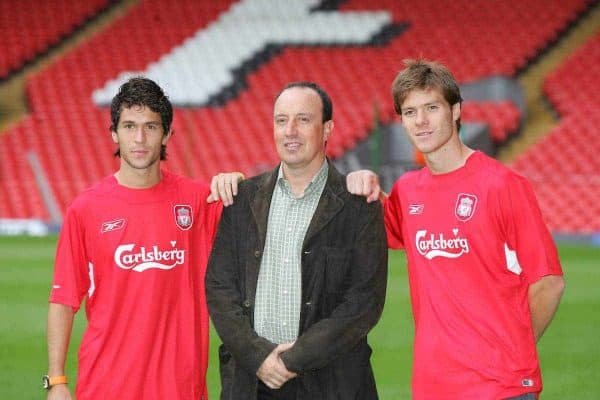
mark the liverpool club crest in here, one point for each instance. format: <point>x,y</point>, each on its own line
<point>183,216</point>
<point>465,206</point>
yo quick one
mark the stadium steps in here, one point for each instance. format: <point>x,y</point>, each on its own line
<point>30,27</point>
<point>358,79</point>
<point>541,117</point>
<point>13,101</point>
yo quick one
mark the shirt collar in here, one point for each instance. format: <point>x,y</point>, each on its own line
<point>316,183</point>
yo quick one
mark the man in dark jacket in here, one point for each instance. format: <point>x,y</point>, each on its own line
<point>298,271</point>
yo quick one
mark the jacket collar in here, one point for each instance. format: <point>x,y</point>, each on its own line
<point>329,205</point>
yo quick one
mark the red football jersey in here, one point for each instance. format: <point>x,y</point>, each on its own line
<point>475,239</point>
<point>138,257</point>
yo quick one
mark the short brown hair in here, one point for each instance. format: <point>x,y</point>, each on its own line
<point>424,74</point>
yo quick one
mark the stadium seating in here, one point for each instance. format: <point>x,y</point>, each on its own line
<point>502,117</point>
<point>30,27</point>
<point>564,166</point>
<point>69,133</point>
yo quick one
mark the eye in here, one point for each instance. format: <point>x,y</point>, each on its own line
<point>408,113</point>
<point>304,119</point>
<point>432,107</point>
<point>129,126</point>
<point>280,121</point>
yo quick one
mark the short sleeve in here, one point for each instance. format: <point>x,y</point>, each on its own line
<point>211,212</point>
<point>213,216</point>
<point>71,267</point>
<point>393,219</point>
<point>526,232</point>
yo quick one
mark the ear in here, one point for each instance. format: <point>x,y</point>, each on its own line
<point>166,137</point>
<point>327,129</point>
<point>115,137</point>
<point>456,112</point>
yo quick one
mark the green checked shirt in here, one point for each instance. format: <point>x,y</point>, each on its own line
<point>279,288</point>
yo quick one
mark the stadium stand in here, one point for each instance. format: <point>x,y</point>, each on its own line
<point>564,166</point>
<point>502,117</point>
<point>69,133</point>
<point>30,27</point>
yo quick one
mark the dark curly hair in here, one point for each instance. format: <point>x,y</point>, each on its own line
<point>140,91</point>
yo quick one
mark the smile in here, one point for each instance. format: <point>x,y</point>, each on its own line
<point>292,145</point>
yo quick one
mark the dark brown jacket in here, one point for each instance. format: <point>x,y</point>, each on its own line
<point>344,275</point>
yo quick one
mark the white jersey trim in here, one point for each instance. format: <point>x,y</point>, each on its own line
<point>512,263</point>
<point>92,287</point>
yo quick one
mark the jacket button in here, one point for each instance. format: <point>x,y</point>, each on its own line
<point>308,304</point>
<point>257,253</point>
<point>247,303</point>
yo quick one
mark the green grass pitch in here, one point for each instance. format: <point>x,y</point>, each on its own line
<point>569,351</point>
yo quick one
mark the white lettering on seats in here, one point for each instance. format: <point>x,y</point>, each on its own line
<point>196,70</point>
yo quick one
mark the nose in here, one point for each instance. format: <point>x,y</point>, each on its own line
<point>421,118</point>
<point>290,128</point>
<point>139,135</point>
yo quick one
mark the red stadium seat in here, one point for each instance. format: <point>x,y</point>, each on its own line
<point>70,133</point>
<point>567,159</point>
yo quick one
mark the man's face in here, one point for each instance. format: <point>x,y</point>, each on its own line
<point>140,135</point>
<point>429,120</point>
<point>299,131</point>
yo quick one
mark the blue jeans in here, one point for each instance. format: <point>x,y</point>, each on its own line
<point>527,396</point>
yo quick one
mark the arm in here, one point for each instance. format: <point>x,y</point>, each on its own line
<point>523,225</point>
<point>60,324</point>
<point>224,187</point>
<point>229,309</point>
<point>365,183</point>
<point>360,305</point>
<point>273,371</point>
<point>544,297</point>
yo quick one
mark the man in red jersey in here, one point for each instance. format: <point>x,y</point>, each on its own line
<point>135,246</point>
<point>484,275</point>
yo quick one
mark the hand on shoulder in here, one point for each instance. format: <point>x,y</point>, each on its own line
<point>224,187</point>
<point>365,183</point>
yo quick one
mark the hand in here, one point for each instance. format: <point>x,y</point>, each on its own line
<point>364,183</point>
<point>273,371</point>
<point>59,392</point>
<point>224,186</point>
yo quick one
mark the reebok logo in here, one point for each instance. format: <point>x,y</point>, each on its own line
<point>415,209</point>
<point>141,259</point>
<point>112,225</point>
<point>437,245</point>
